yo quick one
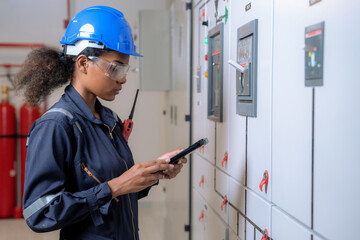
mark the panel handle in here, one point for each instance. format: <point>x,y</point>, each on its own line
<point>225,159</point>
<point>202,215</point>
<point>202,180</point>
<point>224,202</point>
<point>265,180</point>
<point>265,235</point>
<point>237,66</point>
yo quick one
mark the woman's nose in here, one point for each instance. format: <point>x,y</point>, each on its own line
<point>122,80</point>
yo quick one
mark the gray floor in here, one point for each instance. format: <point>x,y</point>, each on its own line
<point>150,217</point>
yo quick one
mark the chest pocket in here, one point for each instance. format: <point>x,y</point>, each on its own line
<point>90,173</point>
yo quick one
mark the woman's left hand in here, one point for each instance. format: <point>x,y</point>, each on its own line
<point>169,174</point>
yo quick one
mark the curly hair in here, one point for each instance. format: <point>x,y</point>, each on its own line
<point>46,69</point>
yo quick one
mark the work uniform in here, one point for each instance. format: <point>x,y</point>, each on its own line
<point>70,157</point>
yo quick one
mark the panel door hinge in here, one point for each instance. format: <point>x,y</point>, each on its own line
<point>188,6</point>
<point>188,118</point>
<point>187,228</point>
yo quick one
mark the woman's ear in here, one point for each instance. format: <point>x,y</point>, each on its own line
<point>82,64</point>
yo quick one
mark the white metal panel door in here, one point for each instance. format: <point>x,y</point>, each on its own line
<point>198,87</point>
<point>215,228</point>
<point>284,227</point>
<point>237,141</point>
<point>236,195</point>
<point>198,215</point>
<point>292,113</point>
<point>337,131</point>
<point>259,128</point>
<point>249,230</point>
<point>203,176</point>
<point>233,220</point>
<point>221,189</point>
<point>235,165</point>
<point>206,127</point>
<point>222,127</point>
<point>258,211</point>
<point>242,227</point>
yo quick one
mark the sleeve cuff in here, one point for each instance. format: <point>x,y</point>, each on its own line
<point>99,200</point>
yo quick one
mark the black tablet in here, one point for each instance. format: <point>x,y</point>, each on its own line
<point>188,150</point>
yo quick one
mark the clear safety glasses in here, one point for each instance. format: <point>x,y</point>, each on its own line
<point>112,70</point>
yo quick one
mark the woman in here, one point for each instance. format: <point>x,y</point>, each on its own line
<point>80,176</point>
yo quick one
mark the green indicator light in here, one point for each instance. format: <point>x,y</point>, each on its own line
<point>206,40</point>
<point>226,14</point>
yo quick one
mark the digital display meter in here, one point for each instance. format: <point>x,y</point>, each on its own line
<point>246,77</point>
<point>215,77</point>
<point>314,55</point>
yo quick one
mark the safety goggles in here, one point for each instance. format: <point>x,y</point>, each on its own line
<point>112,70</point>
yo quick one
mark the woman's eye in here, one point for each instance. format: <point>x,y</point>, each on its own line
<point>112,68</point>
<point>116,69</point>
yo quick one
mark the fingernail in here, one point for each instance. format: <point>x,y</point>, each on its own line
<point>172,166</point>
<point>179,162</point>
<point>167,160</point>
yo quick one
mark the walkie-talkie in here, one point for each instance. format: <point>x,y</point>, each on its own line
<point>128,123</point>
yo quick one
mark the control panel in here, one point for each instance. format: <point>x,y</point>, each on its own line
<point>246,73</point>
<point>314,55</point>
<point>215,73</point>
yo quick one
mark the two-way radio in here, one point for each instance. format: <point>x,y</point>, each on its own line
<point>128,123</point>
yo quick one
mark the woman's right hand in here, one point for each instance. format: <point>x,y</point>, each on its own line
<point>139,177</point>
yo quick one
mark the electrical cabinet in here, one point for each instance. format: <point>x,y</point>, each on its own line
<point>336,128</point>
<point>274,157</point>
<point>292,114</point>
<point>255,56</point>
<point>206,127</point>
<point>237,125</point>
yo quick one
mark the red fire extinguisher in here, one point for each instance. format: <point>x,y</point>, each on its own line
<point>8,155</point>
<point>28,115</point>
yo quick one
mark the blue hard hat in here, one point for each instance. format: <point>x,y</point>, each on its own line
<point>99,27</point>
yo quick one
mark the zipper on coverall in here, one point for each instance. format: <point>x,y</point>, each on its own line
<point>132,213</point>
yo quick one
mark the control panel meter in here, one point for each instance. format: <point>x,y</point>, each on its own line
<point>314,55</point>
<point>246,73</point>
<point>215,73</point>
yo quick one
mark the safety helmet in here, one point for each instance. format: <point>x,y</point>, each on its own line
<point>99,27</point>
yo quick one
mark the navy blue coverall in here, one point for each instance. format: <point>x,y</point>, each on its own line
<point>70,157</point>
